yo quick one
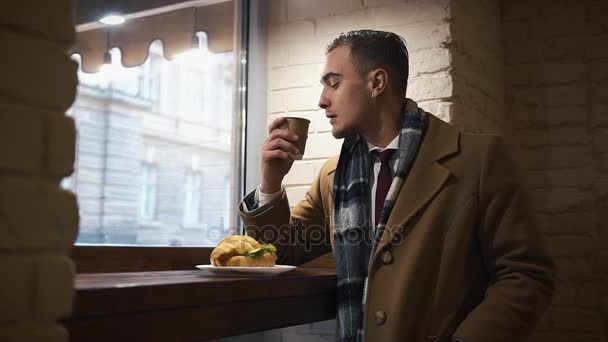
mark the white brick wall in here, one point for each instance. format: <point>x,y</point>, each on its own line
<point>557,119</point>
<point>38,220</point>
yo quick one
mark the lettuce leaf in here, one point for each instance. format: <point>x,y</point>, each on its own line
<point>258,252</point>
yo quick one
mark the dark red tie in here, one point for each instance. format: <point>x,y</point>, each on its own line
<point>385,178</point>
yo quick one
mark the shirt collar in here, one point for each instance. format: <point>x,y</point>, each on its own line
<point>393,145</point>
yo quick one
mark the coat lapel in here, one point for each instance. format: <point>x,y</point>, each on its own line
<point>426,178</point>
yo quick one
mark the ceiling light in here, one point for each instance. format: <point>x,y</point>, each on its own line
<point>112,19</point>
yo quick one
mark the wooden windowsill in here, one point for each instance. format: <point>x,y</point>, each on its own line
<point>189,306</point>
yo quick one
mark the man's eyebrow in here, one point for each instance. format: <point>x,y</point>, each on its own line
<point>329,75</point>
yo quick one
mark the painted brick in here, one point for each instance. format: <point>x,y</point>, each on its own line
<point>322,145</point>
<point>33,17</point>
<point>276,102</point>
<point>21,127</point>
<point>564,48</point>
<point>598,17</point>
<point>599,70</point>
<point>515,31</point>
<point>600,141</point>
<point>425,35</point>
<point>519,75</point>
<point>307,52</point>
<point>599,115</point>
<point>54,226</point>
<point>577,320</point>
<point>55,287</point>
<point>304,29</point>
<point>49,87</point>
<point>277,54</point>
<point>562,200</point>
<point>48,295</point>
<point>374,3</point>
<point>334,25</point>
<point>60,146</point>
<point>600,93</point>
<point>520,9</point>
<point>303,98</point>
<point>568,246</point>
<point>575,269</point>
<point>299,9</point>
<point>530,138</point>
<point>296,194</point>
<point>432,86</point>
<point>560,73</point>
<point>441,109</point>
<point>410,12</point>
<point>568,135</point>
<point>565,95</point>
<point>527,96</point>
<point>277,12</point>
<point>513,53</point>
<point>553,26</point>
<point>564,295</point>
<point>598,48</point>
<point>557,116</point>
<point>429,61</point>
<point>302,172</point>
<point>587,295</point>
<point>582,177</point>
<point>301,75</point>
<point>34,332</point>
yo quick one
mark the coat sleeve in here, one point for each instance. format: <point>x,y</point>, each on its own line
<point>299,235</point>
<point>521,273</point>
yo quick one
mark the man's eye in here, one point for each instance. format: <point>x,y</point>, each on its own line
<point>335,85</point>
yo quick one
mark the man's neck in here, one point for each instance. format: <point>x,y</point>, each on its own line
<point>385,127</point>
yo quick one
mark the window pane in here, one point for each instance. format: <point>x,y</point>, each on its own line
<point>145,135</point>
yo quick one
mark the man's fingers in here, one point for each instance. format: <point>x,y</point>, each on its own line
<point>281,144</point>
<point>275,124</point>
<point>275,154</point>
<point>282,134</point>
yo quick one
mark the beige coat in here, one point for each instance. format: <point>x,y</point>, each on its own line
<point>461,254</point>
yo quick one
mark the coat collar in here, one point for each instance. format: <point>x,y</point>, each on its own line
<point>425,179</point>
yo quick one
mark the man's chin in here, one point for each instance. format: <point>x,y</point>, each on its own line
<point>341,134</point>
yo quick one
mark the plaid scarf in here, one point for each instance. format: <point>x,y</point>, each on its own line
<point>355,240</point>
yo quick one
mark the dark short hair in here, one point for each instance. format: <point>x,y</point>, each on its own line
<point>377,49</point>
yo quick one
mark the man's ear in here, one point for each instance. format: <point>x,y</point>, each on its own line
<point>378,81</point>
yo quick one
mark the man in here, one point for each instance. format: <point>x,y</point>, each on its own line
<point>431,232</point>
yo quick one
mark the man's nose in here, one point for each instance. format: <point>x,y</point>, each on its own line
<point>323,101</point>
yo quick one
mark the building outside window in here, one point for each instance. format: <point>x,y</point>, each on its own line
<point>182,107</point>
<point>149,179</point>
<point>192,198</point>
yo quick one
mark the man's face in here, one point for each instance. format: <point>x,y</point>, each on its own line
<point>346,96</point>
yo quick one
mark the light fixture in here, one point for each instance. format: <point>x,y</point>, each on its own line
<point>106,69</point>
<point>195,44</point>
<point>112,19</point>
<point>107,56</point>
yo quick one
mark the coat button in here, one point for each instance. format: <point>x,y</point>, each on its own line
<point>387,258</point>
<point>380,317</point>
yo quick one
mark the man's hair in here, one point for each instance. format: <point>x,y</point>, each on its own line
<point>377,49</point>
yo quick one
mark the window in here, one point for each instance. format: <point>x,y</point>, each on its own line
<point>192,201</point>
<point>138,129</point>
<point>149,179</point>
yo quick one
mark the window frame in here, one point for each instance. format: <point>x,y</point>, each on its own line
<point>107,258</point>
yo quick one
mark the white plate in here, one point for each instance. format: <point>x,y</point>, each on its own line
<point>245,271</point>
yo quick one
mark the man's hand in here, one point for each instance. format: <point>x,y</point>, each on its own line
<point>275,160</point>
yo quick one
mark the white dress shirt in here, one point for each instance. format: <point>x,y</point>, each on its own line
<point>262,198</point>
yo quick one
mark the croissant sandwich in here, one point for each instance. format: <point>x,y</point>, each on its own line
<point>244,251</point>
